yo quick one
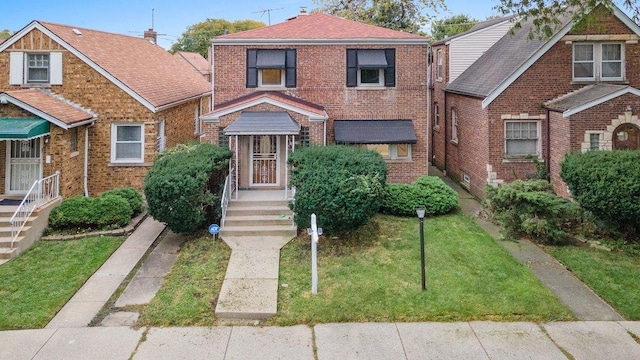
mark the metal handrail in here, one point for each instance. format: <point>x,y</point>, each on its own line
<point>227,192</point>
<point>42,191</point>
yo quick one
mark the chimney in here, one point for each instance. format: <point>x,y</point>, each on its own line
<point>303,10</point>
<point>151,35</point>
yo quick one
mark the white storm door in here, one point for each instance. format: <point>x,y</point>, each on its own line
<point>265,169</point>
<point>24,165</point>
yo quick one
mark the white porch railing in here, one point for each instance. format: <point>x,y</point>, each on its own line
<point>42,191</point>
<point>227,193</point>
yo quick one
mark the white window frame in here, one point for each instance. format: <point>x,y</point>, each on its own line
<point>161,140</point>
<point>114,142</point>
<point>392,150</point>
<point>28,67</point>
<point>597,62</point>
<point>454,126</point>
<point>439,67</point>
<point>196,120</point>
<point>436,115</point>
<point>380,78</point>
<point>538,139</point>
<point>73,140</point>
<point>282,79</point>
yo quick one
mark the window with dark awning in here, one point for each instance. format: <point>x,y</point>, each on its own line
<point>263,123</point>
<point>271,59</point>
<point>374,132</point>
<point>372,59</point>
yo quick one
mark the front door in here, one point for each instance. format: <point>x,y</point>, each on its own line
<point>626,137</point>
<point>265,169</point>
<point>24,165</point>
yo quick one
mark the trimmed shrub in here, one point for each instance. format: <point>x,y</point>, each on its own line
<point>183,187</point>
<point>342,185</point>
<point>75,212</point>
<point>606,183</point>
<point>133,197</point>
<point>531,208</point>
<point>428,191</point>
<point>111,211</point>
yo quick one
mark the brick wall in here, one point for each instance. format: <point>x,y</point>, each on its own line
<point>321,79</point>
<point>439,138</point>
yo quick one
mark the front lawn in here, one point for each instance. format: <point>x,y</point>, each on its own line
<point>372,276</point>
<point>36,285</point>
<point>612,275</point>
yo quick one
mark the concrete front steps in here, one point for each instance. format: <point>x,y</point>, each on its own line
<point>257,225</point>
<point>31,232</point>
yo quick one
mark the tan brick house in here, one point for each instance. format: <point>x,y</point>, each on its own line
<point>318,79</point>
<point>94,106</point>
<point>526,101</point>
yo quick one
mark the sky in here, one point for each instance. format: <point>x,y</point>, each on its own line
<point>172,17</point>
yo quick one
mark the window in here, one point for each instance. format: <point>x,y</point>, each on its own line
<point>161,140</point>
<point>271,68</point>
<point>436,117</point>
<point>439,65</point>
<point>38,68</point>
<point>454,126</point>
<point>196,120</point>
<point>73,133</point>
<point>127,143</point>
<point>371,68</point>
<point>598,61</point>
<point>304,138</point>
<point>522,138</point>
<point>594,141</point>
<point>391,151</point>
<point>223,140</point>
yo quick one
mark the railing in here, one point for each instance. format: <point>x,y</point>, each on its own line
<point>229,189</point>
<point>42,191</point>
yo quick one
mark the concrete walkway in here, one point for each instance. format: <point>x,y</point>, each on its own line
<point>581,300</point>
<point>464,340</point>
<point>99,288</point>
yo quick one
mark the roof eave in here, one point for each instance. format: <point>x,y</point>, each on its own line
<point>44,115</point>
<point>179,102</point>
<point>215,115</point>
<point>351,41</point>
<point>572,111</point>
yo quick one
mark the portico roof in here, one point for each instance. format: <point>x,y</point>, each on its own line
<point>263,123</point>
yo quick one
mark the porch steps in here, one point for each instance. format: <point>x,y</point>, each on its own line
<point>258,217</point>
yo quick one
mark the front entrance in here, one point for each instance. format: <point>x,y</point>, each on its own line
<point>24,165</point>
<point>265,167</point>
<point>626,137</point>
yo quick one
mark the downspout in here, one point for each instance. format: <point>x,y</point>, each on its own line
<point>86,159</point>
<point>429,133</point>
<point>324,124</point>
<point>547,160</point>
<point>446,143</point>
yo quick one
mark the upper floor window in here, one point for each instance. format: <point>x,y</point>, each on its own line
<point>371,67</point>
<point>598,61</point>
<point>271,68</point>
<point>439,65</point>
<point>44,68</point>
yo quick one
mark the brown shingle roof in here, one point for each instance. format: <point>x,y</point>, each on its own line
<point>147,69</point>
<point>320,26</point>
<point>52,105</point>
<point>196,60</point>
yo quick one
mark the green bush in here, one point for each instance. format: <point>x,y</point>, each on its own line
<point>428,191</point>
<point>606,183</point>
<point>75,212</point>
<point>111,211</point>
<point>342,185</point>
<point>531,208</point>
<point>133,197</point>
<point>183,187</point>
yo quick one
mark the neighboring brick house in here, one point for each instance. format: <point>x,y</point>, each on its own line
<point>526,101</point>
<point>95,106</point>
<point>318,79</point>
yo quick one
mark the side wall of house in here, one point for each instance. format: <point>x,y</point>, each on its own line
<point>437,129</point>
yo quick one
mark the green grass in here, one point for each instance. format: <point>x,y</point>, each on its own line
<point>189,293</point>
<point>377,278</point>
<point>36,285</point>
<point>612,275</point>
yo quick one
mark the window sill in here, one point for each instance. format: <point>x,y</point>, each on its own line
<point>272,87</point>
<point>398,161</point>
<point>523,160</point>
<point>377,87</point>
<point>454,142</point>
<point>36,85</point>
<point>74,154</point>
<point>436,128</point>
<point>129,164</point>
<point>599,81</point>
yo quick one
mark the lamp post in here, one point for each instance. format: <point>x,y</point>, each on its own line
<point>420,211</point>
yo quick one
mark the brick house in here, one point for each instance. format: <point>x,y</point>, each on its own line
<point>528,101</point>
<point>318,79</point>
<point>94,106</point>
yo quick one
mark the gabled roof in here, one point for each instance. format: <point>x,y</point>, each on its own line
<point>196,60</point>
<point>48,106</point>
<point>145,71</point>
<point>319,27</point>
<point>287,102</point>
<point>477,27</point>
<point>587,97</point>
<point>510,57</point>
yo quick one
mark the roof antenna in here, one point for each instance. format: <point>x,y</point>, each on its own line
<point>268,11</point>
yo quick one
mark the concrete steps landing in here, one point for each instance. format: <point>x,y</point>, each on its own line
<point>257,214</point>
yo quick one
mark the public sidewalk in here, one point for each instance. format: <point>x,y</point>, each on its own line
<point>464,340</point>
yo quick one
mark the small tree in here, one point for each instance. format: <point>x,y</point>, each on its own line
<point>456,24</point>
<point>197,37</point>
<point>183,186</point>
<point>342,185</point>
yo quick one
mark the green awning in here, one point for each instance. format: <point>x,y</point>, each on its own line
<point>22,128</point>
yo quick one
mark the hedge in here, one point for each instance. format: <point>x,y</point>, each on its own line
<point>131,195</point>
<point>86,213</point>
<point>183,187</point>
<point>342,185</point>
<point>428,191</point>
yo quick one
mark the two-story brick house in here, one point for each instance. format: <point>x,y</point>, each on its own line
<point>528,101</point>
<point>94,106</point>
<point>318,79</point>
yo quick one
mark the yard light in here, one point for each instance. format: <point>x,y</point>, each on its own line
<point>420,211</point>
